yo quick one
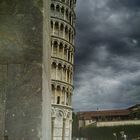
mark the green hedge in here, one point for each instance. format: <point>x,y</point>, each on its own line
<point>106,133</point>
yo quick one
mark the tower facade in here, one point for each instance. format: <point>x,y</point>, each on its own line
<point>62,59</point>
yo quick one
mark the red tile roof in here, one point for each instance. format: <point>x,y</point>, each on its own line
<point>108,113</point>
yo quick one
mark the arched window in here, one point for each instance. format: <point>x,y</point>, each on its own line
<point>69,56</point>
<point>62,12</point>
<point>58,99</point>
<point>67,103</point>
<point>70,3</point>
<point>53,69</point>
<point>65,52</point>
<point>66,30</point>
<point>61,50</point>
<point>56,25</point>
<point>63,1</point>
<point>52,27</point>
<point>52,7</point>
<point>61,30</point>
<point>55,48</point>
<point>59,72</point>
<point>53,93</point>
<point>68,76</point>
<point>64,76</point>
<point>66,13</point>
<point>56,28</point>
<point>69,35</point>
<point>57,8</point>
<point>66,33</point>
<point>70,17</point>
<point>72,39</point>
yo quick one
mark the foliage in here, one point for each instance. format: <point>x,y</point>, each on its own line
<point>75,131</point>
<point>106,133</point>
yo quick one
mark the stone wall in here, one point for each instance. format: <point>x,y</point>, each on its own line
<point>3,69</point>
<point>24,70</point>
<point>118,123</point>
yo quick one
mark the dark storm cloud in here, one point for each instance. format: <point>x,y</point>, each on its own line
<point>107,73</point>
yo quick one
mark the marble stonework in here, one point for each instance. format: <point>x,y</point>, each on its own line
<point>20,32</point>
<point>25,106</point>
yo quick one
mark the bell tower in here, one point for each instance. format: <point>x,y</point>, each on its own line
<point>62,60</point>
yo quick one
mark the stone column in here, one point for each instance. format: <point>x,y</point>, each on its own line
<point>56,72</point>
<point>55,94</point>
<point>63,51</point>
<point>67,54</point>
<point>53,122</point>
<point>69,77</point>
<point>70,56</point>
<point>63,32</point>
<point>52,49</point>
<point>58,54</point>
<point>62,73</point>
<point>70,128</point>
<point>64,128</point>
<point>66,75</point>
<point>65,96</point>
<point>53,28</point>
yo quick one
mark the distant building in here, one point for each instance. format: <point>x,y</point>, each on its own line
<point>101,118</point>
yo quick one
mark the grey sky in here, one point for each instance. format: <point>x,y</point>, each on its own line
<point>107,60</point>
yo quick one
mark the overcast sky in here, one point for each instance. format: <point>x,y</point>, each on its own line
<point>107,59</point>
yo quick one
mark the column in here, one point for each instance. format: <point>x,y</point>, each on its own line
<point>64,127</point>
<point>66,75</point>
<point>53,122</point>
<point>69,77</point>
<point>70,99</point>
<point>70,128</point>
<point>61,95</point>
<point>58,32</point>
<point>53,28</point>
<point>58,51</point>
<point>62,73</point>
<point>56,72</point>
<point>70,57</point>
<point>65,96</point>
<point>63,52</point>
<point>63,32</point>
<point>55,96</point>
<point>67,55</point>
<point>64,14</point>
<point>72,78</point>
<point>52,48</point>
<point>71,38</point>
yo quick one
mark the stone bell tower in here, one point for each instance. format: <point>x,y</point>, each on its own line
<point>62,60</point>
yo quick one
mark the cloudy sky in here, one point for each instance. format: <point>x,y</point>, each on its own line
<point>107,60</point>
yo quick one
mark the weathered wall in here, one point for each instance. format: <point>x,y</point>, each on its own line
<point>3,72</point>
<point>22,67</point>
<point>20,32</point>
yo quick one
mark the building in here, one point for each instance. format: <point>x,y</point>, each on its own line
<point>25,87</point>
<point>129,116</point>
<point>62,60</point>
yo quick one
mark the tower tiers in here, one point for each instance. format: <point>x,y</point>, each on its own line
<point>62,60</point>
